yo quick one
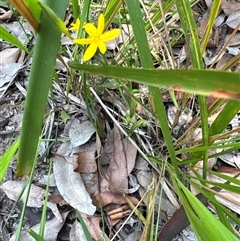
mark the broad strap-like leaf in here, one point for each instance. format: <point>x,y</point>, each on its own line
<point>218,84</point>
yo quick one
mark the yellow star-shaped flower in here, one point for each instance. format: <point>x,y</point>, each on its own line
<point>96,38</point>
<point>75,26</point>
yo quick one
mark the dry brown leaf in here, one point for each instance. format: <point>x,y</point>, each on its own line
<point>230,6</point>
<point>56,198</point>
<point>145,179</point>
<point>108,150</point>
<point>8,73</point>
<point>232,200</point>
<point>232,159</point>
<point>6,15</point>
<point>235,40</point>
<point>76,232</point>
<point>141,164</point>
<point>16,29</point>
<point>91,182</point>
<point>131,153</point>
<point>223,61</point>
<point>208,3</point>
<point>135,236</point>
<point>105,198</point>
<point>121,163</point>
<point>86,161</point>
<point>231,170</point>
<point>9,56</point>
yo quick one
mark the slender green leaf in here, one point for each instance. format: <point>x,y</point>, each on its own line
<point>110,11</point>
<point>225,116</point>
<point>43,63</point>
<point>192,39</point>
<point>5,35</point>
<point>190,32</point>
<point>202,82</point>
<point>226,177</point>
<point>84,227</point>
<point>35,235</point>
<point>55,19</point>
<point>75,8</point>
<point>44,211</point>
<point>146,59</point>
<point>224,212</point>
<point>34,8</point>
<point>205,224</point>
<point>213,14</point>
<point>6,158</point>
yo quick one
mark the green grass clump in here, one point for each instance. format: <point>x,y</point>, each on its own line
<point>195,81</point>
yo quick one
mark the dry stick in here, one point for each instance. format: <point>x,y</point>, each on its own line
<point>133,211</point>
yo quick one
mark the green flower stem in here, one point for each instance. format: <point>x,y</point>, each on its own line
<point>44,58</point>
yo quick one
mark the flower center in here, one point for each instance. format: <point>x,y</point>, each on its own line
<point>96,39</point>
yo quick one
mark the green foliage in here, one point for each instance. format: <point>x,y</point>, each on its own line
<point>35,235</point>
<point>202,82</point>
<point>38,87</point>
<point>34,8</point>
<point>198,81</point>
<point>55,19</point>
<point>6,158</point>
<point>64,116</point>
<point>204,223</point>
<point>84,227</point>
<point>5,35</point>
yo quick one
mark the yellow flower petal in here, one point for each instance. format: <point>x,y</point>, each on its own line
<point>97,38</point>
<point>90,29</point>
<point>102,47</point>
<point>91,50</point>
<point>83,40</point>
<point>75,26</point>
<point>101,21</point>
<point>110,35</point>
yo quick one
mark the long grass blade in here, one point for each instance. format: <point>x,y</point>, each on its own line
<point>202,82</point>
<point>44,57</point>
<point>23,10</point>
<point>5,35</point>
<point>205,225</point>
<point>146,59</point>
<point>6,158</point>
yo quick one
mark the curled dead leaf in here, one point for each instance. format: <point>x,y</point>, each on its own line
<point>105,198</point>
